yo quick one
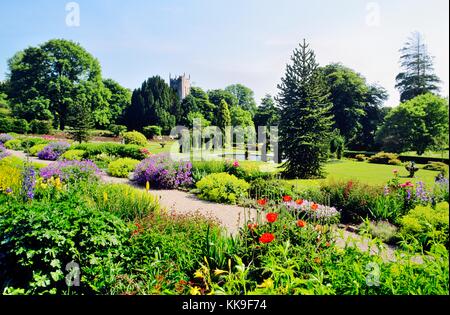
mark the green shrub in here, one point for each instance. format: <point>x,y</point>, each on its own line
<point>383,230</point>
<point>271,189</point>
<point>111,148</point>
<point>117,130</point>
<point>384,158</point>
<point>14,144</point>
<point>426,224</point>
<point>40,127</point>
<point>222,187</point>
<point>437,166</point>
<point>355,200</point>
<point>73,155</point>
<point>135,137</point>
<point>39,240</point>
<point>201,169</point>
<point>8,124</point>
<point>395,162</point>
<point>360,157</point>
<point>122,167</point>
<point>152,131</point>
<point>28,143</point>
<point>34,150</point>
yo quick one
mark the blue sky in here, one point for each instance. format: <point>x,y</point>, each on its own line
<point>220,42</point>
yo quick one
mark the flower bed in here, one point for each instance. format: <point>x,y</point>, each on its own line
<point>163,173</point>
<point>70,171</point>
<point>53,151</point>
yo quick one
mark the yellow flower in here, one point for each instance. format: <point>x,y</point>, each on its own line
<point>57,182</point>
<point>44,185</point>
<point>198,274</point>
<point>147,186</point>
<point>268,284</point>
<point>195,291</point>
<point>105,196</point>
<point>218,272</point>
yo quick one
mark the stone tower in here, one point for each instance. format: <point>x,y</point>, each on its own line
<point>181,85</point>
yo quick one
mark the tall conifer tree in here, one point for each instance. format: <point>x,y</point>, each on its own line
<point>306,119</point>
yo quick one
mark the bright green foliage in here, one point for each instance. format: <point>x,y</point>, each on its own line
<point>418,75</point>
<point>223,115</point>
<point>306,121</point>
<point>428,225</point>
<point>416,125</point>
<point>45,81</point>
<point>356,105</point>
<point>135,137</point>
<point>30,142</point>
<point>122,167</point>
<point>118,100</point>
<point>245,97</point>
<point>72,155</point>
<point>8,124</point>
<point>124,201</point>
<point>34,150</point>
<point>222,187</point>
<point>152,131</point>
<point>111,148</point>
<point>14,144</point>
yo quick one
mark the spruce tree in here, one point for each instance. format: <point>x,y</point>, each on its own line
<point>418,75</point>
<point>305,116</point>
<point>79,121</point>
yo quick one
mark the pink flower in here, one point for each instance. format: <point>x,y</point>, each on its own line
<point>407,184</point>
<point>235,164</point>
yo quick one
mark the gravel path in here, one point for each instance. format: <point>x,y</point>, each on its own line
<point>231,217</point>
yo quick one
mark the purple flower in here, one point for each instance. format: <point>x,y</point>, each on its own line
<point>28,182</point>
<point>53,151</point>
<point>71,170</point>
<point>162,172</point>
<point>4,137</point>
<point>3,152</point>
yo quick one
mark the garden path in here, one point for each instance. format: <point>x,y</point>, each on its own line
<point>231,217</point>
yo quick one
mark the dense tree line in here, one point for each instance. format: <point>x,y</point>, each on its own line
<point>61,82</point>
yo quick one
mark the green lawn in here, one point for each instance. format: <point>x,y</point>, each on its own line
<point>374,174</point>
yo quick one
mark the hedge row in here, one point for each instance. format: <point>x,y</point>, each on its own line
<point>403,158</point>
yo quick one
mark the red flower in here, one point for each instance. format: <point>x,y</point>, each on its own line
<point>272,217</point>
<point>262,202</point>
<point>299,201</point>
<point>301,223</point>
<point>266,238</point>
<point>407,184</point>
<point>327,244</point>
<point>287,198</point>
<point>314,206</point>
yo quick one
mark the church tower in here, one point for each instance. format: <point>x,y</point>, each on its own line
<point>181,85</point>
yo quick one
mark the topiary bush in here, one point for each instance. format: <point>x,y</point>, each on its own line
<point>40,127</point>
<point>135,137</point>
<point>73,155</point>
<point>122,167</point>
<point>385,158</point>
<point>14,144</point>
<point>152,131</point>
<point>222,187</point>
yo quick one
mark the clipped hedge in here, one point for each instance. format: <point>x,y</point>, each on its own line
<point>40,127</point>
<point>73,155</point>
<point>8,124</point>
<point>152,131</point>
